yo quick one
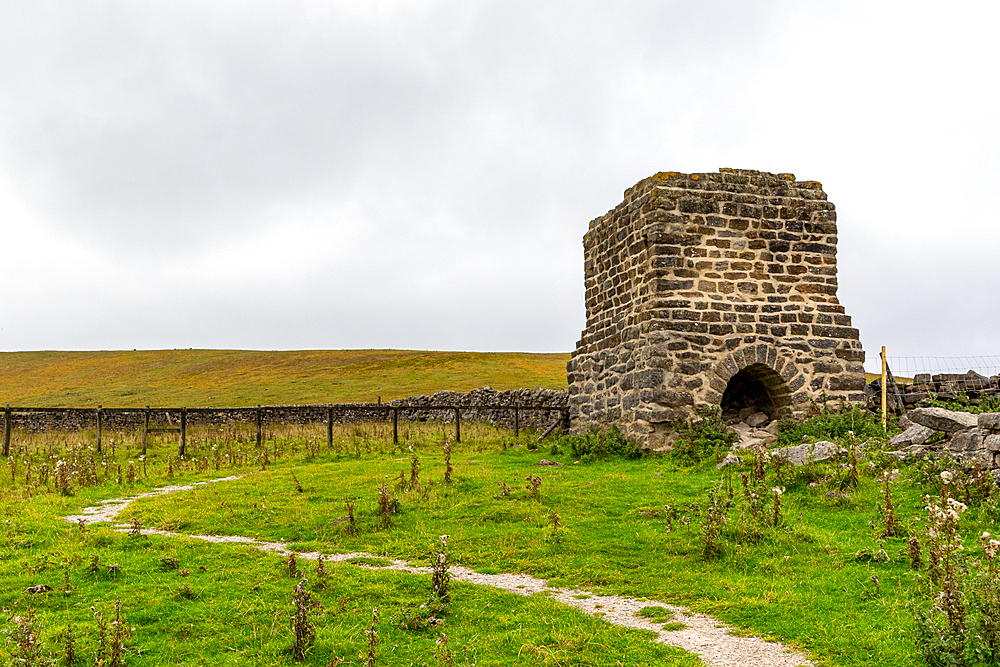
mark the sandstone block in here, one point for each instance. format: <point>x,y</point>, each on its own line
<point>970,439</point>
<point>989,421</point>
<point>915,434</point>
<point>808,452</point>
<point>940,419</point>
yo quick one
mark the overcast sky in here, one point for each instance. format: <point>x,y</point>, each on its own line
<point>380,173</point>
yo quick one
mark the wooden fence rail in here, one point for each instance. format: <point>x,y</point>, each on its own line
<point>385,411</point>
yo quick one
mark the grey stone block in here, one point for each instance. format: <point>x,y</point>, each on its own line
<point>940,419</point>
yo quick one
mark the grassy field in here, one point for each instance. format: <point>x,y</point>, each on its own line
<point>817,571</point>
<point>230,378</point>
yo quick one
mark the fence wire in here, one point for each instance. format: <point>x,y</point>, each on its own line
<point>948,374</point>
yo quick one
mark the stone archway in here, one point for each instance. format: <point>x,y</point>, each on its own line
<point>756,377</point>
<point>756,388</point>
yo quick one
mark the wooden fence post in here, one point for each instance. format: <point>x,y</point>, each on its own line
<point>329,427</point>
<point>99,429</point>
<point>395,426</point>
<point>458,425</point>
<point>883,388</point>
<point>259,434</point>
<point>517,423</point>
<point>182,445</point>
<point>7,425</point>
<point>145,430</point>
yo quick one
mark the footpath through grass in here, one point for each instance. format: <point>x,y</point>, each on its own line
<point>800,555</point>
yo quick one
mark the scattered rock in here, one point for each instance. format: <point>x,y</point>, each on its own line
<point>730,460</point>
<point>940,419</point>
<point>546,462</point>
<point>809,452</point>
<point>989,421</point>
<point>969,440</point>
<point>749,443</point>
<point>914,435</point>
<point>774,428</point>
<point>758,419</point>
<point>40,588</point>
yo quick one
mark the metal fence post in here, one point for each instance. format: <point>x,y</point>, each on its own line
<point>458,425</point>
<point>99,429</point>
<point>395,426</point>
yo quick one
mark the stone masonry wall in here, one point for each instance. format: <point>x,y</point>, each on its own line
<point>715,289</point>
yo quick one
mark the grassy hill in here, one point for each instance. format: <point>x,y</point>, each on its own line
<point>224,378</point>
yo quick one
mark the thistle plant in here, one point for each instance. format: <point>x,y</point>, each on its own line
<point>444,655</point>
<point>414,470</point>
<point>556,533</point>
<point>916,560</point>
<point>383,506</point>
<point>715,519</point>
<point>504,490</point>
<point>534,482</point>
<point>776,493</point>
<point>63,475</point>
<point>890,526</point>
<point>942,632</point>
<point>26,638</point>
<point>447,462</point>
<point>440,576</point>
<point>320,572</point>
<point>302,626</point>
<point>371,634</point>
<point>351,528</point>
<point>69,640</point>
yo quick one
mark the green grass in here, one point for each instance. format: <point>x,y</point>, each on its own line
<point>232,378</point>
<point>799,582</point>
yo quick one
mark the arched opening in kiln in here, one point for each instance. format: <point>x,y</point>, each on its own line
<point>756,388</point>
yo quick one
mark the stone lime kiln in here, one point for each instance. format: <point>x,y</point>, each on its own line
<point>714,289</point>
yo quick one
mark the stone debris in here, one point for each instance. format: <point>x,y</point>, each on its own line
<point>546,462</point>
<point>915,434</point>
<point>975,439</point>
<point>809,452</point>
<point>940,419</point>
<point>730,460</point>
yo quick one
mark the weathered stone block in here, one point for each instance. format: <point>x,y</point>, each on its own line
<point>940,419</point>
<point>989,421</point>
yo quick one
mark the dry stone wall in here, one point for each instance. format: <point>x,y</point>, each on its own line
<point>713,289</point>
<point>493,409</point>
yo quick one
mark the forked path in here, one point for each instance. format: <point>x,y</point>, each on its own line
<point>703,635</point>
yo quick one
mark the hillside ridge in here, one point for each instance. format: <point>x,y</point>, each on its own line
<point>232,378</point>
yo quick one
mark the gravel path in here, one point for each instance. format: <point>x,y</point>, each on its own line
<point>703,635</point>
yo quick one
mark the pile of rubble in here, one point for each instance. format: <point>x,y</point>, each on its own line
<point>971,385</point>
<point>757,431</point>
<point>971,438</point>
